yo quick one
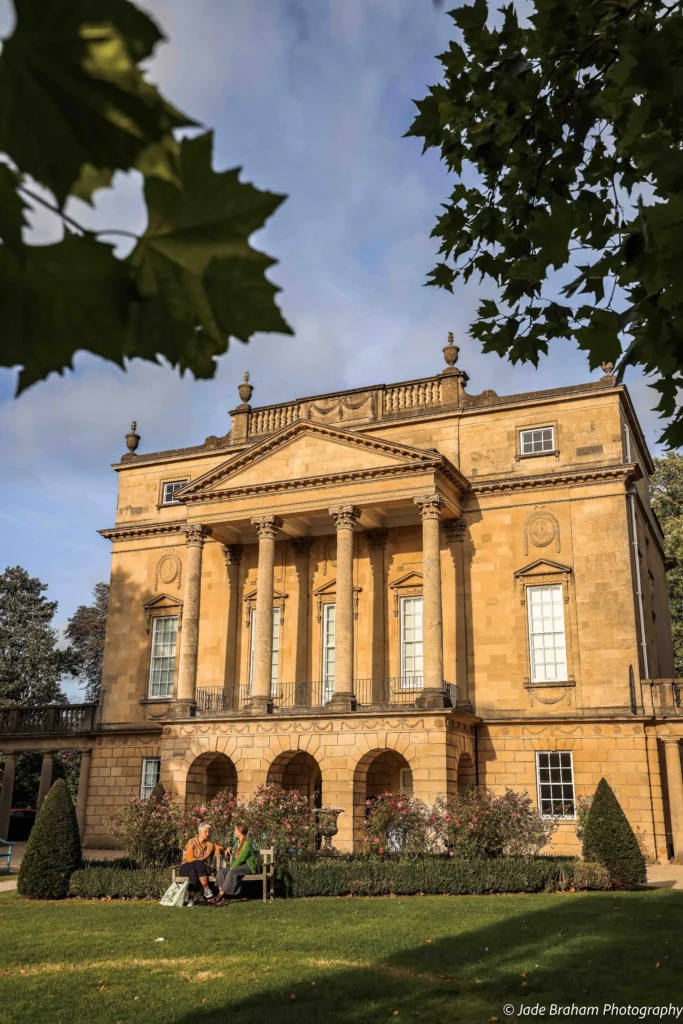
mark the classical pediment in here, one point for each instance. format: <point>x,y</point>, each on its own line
<point>543,567</point>
<point>163,604</point>
<point>305,451</point>
<point>329,590</point>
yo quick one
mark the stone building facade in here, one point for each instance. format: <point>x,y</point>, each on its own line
<point>395,587</point>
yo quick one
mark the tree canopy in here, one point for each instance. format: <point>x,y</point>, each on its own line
<point>666,486</point>
<point>31,665</point>
<point>75,109</point>
<point>565,130</point>
<point>85,631</point>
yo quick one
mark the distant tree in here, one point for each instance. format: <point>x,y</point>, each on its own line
<point>30,663</point>
<point>85,631</point>
<point>666,488</point>
<point>67,766</point>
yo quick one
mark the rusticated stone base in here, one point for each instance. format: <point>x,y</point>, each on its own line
<point>431,697</point>
<point>342,702</point>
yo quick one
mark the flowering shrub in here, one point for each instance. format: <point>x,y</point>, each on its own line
<point>281,818</point>
<point>222,813</point>
<point>583,806</point>
<point>479,824</point>
<point>396,823</point>
<point>149,829</point>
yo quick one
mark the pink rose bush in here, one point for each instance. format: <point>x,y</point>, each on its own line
<point>479,824</point>
<point>397,823</point>
<point>222,812</point>
<point>149,829</point>
<point>281,818</point>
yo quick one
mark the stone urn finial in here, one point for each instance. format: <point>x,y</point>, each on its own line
<point>607,368</point>
<point>132,439</point>
<point>245,390</point>
<point>450,353</point>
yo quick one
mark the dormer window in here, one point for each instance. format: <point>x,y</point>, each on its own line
<point>536,441</point>
<point>169,489</point>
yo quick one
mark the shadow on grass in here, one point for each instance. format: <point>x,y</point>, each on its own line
<point>589,951</point>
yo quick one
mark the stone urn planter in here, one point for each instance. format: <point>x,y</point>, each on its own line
<point>326,821</point>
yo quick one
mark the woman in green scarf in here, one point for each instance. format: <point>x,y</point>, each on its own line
<point>243,861</point>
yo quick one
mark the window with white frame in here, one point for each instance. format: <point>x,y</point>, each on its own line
<point>275,659</point>
<point>162,663</point>
<point>555,781</point>
<point>329,630</point>
<point>537,440</point>
<point>169,489</point>
<point>547,646</point>
<point>412,646</point>
<point>151,770</point>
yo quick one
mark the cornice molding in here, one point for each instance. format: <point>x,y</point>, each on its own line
<point>144,531</point>
<point>597,475</point>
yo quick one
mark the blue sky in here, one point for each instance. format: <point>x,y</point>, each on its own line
<point>311,98</point>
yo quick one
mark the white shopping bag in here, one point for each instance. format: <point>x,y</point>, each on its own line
<point>174,895</point>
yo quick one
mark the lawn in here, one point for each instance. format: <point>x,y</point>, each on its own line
<point>447,959</point>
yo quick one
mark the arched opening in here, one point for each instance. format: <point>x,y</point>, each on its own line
<point>379,771</point>
<point>208,774</point>
<point>296,769</point>
<point>466,775</point>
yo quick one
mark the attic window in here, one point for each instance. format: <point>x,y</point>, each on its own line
<point>533,442</point>
<point>169,489</point>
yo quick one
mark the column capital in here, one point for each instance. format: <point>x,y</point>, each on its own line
<point>455,529</point>
<point>673,740</point>
<point>345,516</point>
<point>302,546</point>
<point>195,534</point>
<point>376,539</point>
<point>267,526</point>
<point>430,506</point>
<point>232,553</point>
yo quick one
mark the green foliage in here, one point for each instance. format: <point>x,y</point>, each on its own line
<point>281,818</point>
<point>666,490</point>
<point>30,663</point>
<point>429,875</point>
<point>53,851</point>
<point>565,132</point>
<point>398,823</point>
<point>67,766</point>
<point>75,107</point>
<point>583,806</point>
<point>609,839</point>
<point>85,631</point>
<point>105,881</point>
<point>149,829</point>
<point>479,824</point>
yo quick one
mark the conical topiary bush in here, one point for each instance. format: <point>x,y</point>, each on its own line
<point>609,839</point>
<point>53,851</point>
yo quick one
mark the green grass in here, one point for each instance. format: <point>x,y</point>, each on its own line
<point>445,959</point>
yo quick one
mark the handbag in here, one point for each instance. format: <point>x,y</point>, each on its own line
<point>175,894</point>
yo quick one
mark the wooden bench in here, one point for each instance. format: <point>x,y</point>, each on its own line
<point>6,855</point>
<point>266,875</point>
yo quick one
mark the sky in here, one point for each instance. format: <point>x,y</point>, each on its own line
<point>311,98</point>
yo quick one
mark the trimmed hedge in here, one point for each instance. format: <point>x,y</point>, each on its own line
<point>93,883</point>
<point>609,839</point>
<point>363,876</point>
<point>435,876</point>
<point>53,850</point>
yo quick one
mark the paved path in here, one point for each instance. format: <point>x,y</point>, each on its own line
<point>7,884</point>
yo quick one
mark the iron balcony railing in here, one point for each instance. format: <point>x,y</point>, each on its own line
<point>394,692</point>
<point>47,719</point>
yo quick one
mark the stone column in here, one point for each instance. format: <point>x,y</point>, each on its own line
<point>302,547</point>
<point>343,699</point>
<point>45,776</point>
<point>185,703</point>
<point>674,779</point>
<point>233,556</point>
<point>376,543</point>
<point>82,796</point>
<point>261,699</point>
<point>432,696</point>
<point>6,793</point>
<point>455,530</point>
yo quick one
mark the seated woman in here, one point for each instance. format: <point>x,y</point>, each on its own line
<point>244,861</point>
<point>197,853</point>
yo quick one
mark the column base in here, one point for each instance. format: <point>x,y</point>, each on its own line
<point>259,706</point>
<point>342,702</point>
<point>183,708</point>
<point>431,697</point>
